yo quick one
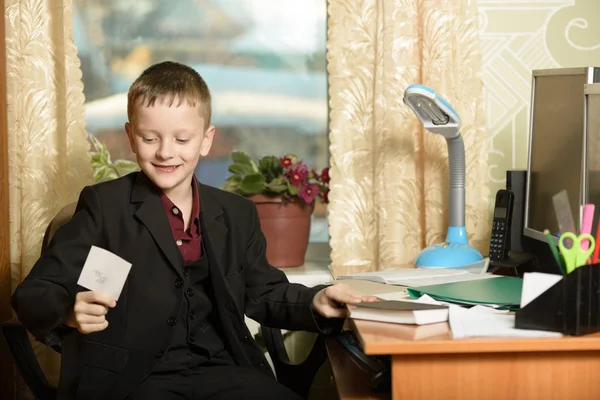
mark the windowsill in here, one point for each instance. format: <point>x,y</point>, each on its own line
<point>310,274</point>
<point>315,270</point>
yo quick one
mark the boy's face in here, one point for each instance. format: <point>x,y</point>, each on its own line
<point>168,141</point>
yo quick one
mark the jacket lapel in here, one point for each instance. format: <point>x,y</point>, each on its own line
<point>214,237</point>
<point>152,215</point>
<point>213,228</point>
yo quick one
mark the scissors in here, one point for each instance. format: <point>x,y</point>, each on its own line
<point>575,256</point>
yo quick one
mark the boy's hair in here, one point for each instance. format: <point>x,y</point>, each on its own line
<point>169,81</point>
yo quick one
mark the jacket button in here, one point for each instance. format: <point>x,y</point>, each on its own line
<point>158,355</point>
<point>230,307</point>
<point>192,337</point>
<point>192,316</point>
<point>190,292</point>
<point>178,283</point>
<point>171,321</point>
<point>186,271</point>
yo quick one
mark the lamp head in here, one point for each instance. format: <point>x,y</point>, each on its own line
<point>436,115</point>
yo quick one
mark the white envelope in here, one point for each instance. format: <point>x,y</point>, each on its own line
<point>105,272</point>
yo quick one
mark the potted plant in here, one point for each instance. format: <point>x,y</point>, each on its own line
<point>104,168</point>
<point>284,191</point>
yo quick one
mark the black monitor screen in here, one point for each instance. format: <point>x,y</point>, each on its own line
<point>556,150</point>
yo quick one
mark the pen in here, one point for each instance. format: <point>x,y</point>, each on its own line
<point>554,251</point>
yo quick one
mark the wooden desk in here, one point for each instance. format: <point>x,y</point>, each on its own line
<point>428,364</point>
<point>351,378</point>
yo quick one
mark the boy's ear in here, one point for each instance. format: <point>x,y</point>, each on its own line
<point>129,130</point>
<point>207,141</point>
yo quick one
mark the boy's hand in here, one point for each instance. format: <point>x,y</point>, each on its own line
<point>89,312</point>
<point>331,302</point>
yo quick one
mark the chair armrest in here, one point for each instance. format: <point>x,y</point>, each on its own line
<point>27,364</point>
<point>297,377</point>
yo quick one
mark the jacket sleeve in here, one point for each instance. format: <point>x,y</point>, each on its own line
<point>271,300</point>
<point>45,297</point>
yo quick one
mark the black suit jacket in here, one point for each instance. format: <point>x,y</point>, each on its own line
<point>125,216</point>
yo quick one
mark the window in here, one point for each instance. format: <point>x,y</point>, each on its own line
<point>263,60</point>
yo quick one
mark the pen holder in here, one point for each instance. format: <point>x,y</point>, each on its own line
<point>570,306</point>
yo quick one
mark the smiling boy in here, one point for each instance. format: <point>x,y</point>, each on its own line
<point>198,266</point>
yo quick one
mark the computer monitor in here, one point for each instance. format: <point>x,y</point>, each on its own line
<point>592,97</point>
<point>556,145</point>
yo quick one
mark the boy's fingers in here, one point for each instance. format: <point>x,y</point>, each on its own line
<point>344,294</point>
<point>91,328</point>
<point>98,297</point>
<point>91,319</point>
<point>104,299</point>
<point>91,309</point>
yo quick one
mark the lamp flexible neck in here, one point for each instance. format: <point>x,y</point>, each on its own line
<point>456,161</point>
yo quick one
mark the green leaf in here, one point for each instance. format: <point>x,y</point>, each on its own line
<point>292,189</point>
<point>277,186</point>
<point>239,157</point>
<point>233,183</point>
<point>254,166</point>
<point>104,173</point>
<point>252,184</point>
<point>236,179</point>
<point>124,167</point>
<point>230,187</point>
<point>241,169</point>
<point>270,167</point>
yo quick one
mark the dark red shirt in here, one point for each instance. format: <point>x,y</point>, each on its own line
<point>189,242</point>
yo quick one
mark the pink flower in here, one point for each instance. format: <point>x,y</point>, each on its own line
<point>325,196</point>
<point>286,162</point>
<point>297,174</point>
<point>309,192</point>
<point>325,175</point>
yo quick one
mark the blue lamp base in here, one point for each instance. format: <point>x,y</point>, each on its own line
<point>455,252</point>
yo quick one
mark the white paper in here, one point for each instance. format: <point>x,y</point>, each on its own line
<point>403,296</point>
<point>416,277</point>
<point>438,280</point>
<point>105,272</point>
<point>536,283</point>
<point>481,321</point>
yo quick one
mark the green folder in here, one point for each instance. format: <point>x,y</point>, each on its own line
<point>504,291</point>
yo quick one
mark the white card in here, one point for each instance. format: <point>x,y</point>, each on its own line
<point>105,272</point>
<point>536,283</point>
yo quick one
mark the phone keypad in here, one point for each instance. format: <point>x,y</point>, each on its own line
<point>497,240</point>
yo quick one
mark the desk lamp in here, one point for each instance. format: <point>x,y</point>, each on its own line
<point>437,116</point>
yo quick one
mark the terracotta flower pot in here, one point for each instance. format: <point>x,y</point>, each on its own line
<point>286,227</point>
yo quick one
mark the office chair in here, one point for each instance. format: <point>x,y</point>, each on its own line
<point>296,377</point>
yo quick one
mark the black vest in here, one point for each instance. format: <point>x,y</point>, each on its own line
<point>197,331</point>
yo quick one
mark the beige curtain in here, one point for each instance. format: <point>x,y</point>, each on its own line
<point>389,189</point>
<point>48,148</point>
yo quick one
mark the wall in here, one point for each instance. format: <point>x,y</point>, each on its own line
<point>518,37</point>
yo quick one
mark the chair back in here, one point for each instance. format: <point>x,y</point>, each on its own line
<point>16,336</point>
<point>61,218</point>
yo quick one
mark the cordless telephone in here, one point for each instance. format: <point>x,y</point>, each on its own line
<point>500,239</point>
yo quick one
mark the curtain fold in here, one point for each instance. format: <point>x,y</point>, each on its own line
<point>48,148</point>
<point>389,177</point>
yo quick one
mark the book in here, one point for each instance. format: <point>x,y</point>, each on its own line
<point>415,277</point>
<point>400,312</point>
<point>394,332</point>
